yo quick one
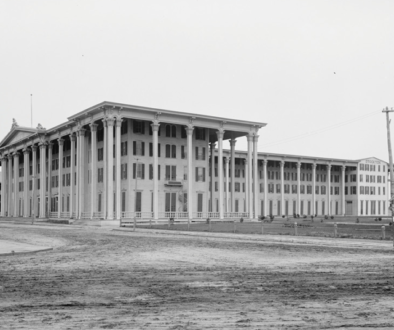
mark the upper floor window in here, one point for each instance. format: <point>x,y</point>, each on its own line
<point>139,127</point>
<point>123,128</point>
<point>200,133</point>
<point>171,131</point>
<point>139,148</point>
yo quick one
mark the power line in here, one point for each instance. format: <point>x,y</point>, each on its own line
<point>320,130</point>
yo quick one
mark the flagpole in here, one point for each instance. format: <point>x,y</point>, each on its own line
<point>31,109</point>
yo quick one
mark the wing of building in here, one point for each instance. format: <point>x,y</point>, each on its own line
<point>115,161</point>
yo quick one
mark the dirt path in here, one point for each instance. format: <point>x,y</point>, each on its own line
<point>97,279</point>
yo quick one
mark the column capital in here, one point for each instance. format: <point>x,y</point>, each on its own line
<point>155,126</point>
<point>265,162</point>
<point>298,164</point>
<point>220,133</point>
<point>282,163</point>
<point>119,122</point>
<point>93,127</point>
<point>213,145</point>
<point>233,142</point>
<point>189,129</point>
<point>343,167</point>
<point>16,154</point>
<point>34,148</point>
<point>250,137</point>
<point>227,159</point>
<point>81,132</point>
<point>245,161</point>
<point>314,165</point>
<point>60,141</point>
<point>42,145</point>
<point>328,167</point>
<point>50,145</point>
<point>256,138</point>
<point>9,156</point>
<point>110,121</point>
<point>26,150</point>
<point>72,137</point>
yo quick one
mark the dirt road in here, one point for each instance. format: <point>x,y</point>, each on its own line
<point>98,279</point>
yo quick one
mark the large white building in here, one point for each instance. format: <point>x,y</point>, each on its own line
<point>116,160</point>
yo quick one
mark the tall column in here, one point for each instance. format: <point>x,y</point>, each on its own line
<point>314,211</point>
<point>189,132</point>
<point>255,178</point>
<point>16,183</point>
<point>81,186</point>
<point>155,140</point>
<point>3,185</point>
<point>26,167</point>
<point>34,181</point>
<point>329,189</point>
<point>77,170</point>
<point>105,166</point>
<point>110,168</point>
<point>343,190</point>
<point>232,151</point>
<point>265,163</point>
<point>220,134</point>
<point>249,178</point>
<point>72,174</point>
<point>10,185</point>
<point>117,171</point>
<point>246,204</point>
<point>60,172</point>
<point>298,188</point>
<point>226,190</point>
<point>212,175</point>
<point>42,179</point>
<point>282,187</point>
<point>93,164</point>
<point>50,145</point>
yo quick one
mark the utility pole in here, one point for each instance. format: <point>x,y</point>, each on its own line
<point>386,110</point>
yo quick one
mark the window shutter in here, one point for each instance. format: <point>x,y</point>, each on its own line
<point>143,171</point>
<point>143,148</point>
<point>143,127</point>
<point>196,153</point>
<point>203,153</point>
<point>173,173</point>
<point>196,174</point>
<point>158,173</point>
<point>134,169</point>
<point>134,148</point>
<point>203,174</point>
<point>125,171</point>
<point>173,151</point>
<point>168,170</point>
<point>159,150</point>
<point>125,147</point>
<point>150,171</point>
<point>150,149</point>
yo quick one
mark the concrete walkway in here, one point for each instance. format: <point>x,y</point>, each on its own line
<point>12,248</point>
<point>347,243</point>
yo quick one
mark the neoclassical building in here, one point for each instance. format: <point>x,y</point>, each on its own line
<point>115,161</point>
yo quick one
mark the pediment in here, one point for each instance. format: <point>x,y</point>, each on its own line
<point>372,160</point>
<point>17,134</point>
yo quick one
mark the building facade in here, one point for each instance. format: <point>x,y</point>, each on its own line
<point>115,161</point>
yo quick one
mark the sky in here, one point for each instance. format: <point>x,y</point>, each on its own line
<point>318,73</point>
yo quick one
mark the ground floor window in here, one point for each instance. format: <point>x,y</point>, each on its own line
<point>99,202</point>
<point>287,208</point>
<point>366,207</point>
<point>138,201</point>
<point>323,208</point>
<point>379,207</point>
<point>336,208</point>
<point>309,207</point>
<point>123,201</point>
<point>278,209</point>
<point>316,208</point>
<point>294,207</point>
<point>237,205</point>
<point>271,207</point>
<point>302,207</point>
<point>199,202</point>
<point>361,207</point>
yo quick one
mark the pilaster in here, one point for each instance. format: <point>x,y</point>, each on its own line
<point>220,134</point>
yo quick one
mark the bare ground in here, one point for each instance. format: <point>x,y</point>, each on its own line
<point>100,279</point>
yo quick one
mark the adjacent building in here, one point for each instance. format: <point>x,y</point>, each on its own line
<point>115,161</point>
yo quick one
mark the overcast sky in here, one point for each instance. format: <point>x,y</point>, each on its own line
<point>317,72</point>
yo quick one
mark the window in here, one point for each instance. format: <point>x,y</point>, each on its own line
<point>123,129</point>
<point>200,133</point>
<point>270,188</point>
<point>261,187</point>
<point>336,191</point>
<point>366,190</point>
<point>302,189</point>
<point>183,152</point>
<point>173,151</point>
<point>317,190</point>
<point>138,148</point>
<point>21,172</point>
<point>323,190</point>
<point>287,188</point>
<point>170,172</point>
<point>100,135</point>
<point>278,188</point>
<point>200,153</point>
<point>183,133</point>
<point>138,127</point>
<point>237,187</point>
<point>361,178</point>
<point>200,174</point>
<point>309,190</point>
<point>100,154</point>
<point>123,171</point>
<point>293,188</point>
<point>361,167</point>
<point>171,131</point>
<point>138,171</point>
<point>361,190</point>
<point>123,148</point>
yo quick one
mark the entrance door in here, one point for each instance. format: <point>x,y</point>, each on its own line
<point>170,206</point>
<point>349,207</point>
<point>199,205</point>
